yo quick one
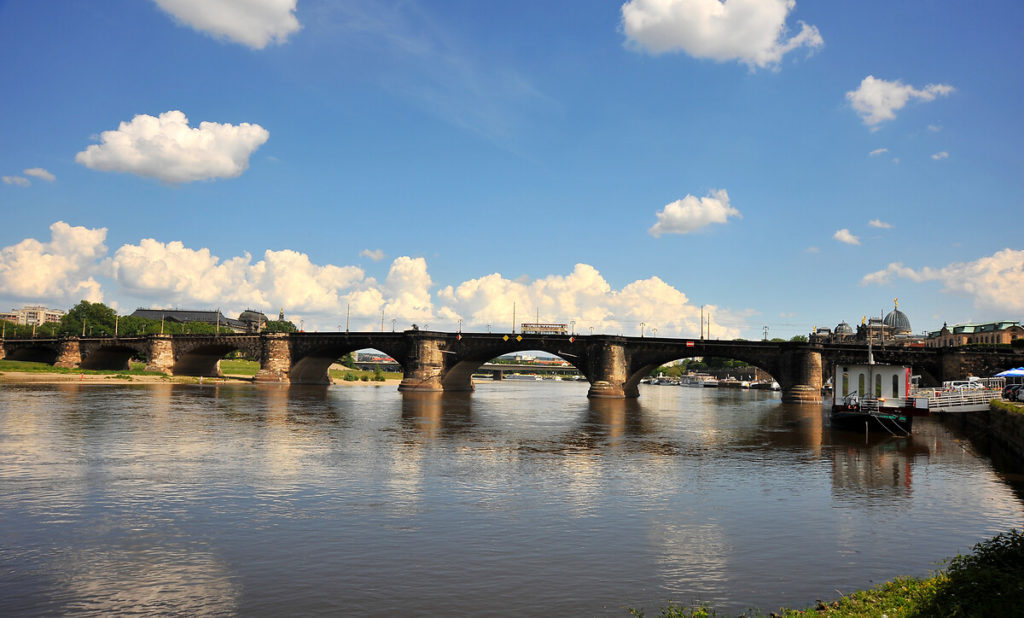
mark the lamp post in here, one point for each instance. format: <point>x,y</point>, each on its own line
<point>641,330</point>
<point>393,320</point>
<point>572,327</point>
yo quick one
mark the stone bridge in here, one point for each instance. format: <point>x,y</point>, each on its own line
<point>443,362</point>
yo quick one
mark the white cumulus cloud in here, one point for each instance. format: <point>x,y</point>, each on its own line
<point>879,224</point>
<point>374,254</point>
<point>749,31</point>
<point>938,156</point>
<point>845,236</point>
<point>995,282</point>
<point>39,173</point>
<point>692,213</point>
<point>878,100</point>
<point>254,23</point>
<point>58,272</point>
<point>585,298</point>
<point>324,296</point>
<point>168,149</point>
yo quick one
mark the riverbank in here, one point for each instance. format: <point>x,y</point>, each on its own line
<point>23,377</point>
<point>999,430</point>
<point>989,581</point>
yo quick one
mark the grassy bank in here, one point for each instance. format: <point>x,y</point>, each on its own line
<point>989,581</point>
<point>137,369</point>
<point>238,368</point>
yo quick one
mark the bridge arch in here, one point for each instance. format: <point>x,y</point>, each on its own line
<point>201,356</point>
<point>459,374</point>
<point>33,352</point>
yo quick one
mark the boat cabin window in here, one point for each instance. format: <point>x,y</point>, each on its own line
<point>895,385</point>
<point>878,386</point>
<point>861,389</point>
<point>846,384</point>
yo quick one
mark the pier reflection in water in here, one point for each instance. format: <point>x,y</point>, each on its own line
<point>518,499</point>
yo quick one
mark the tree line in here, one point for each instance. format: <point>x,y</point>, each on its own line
<point>99,320</point>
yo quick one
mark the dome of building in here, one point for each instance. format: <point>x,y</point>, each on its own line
<point>252,316</point>
<point>898,321</point>
<point>843,329</point>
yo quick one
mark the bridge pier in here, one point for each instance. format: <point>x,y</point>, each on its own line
<point>275,358</point>
<point>800,376</point>
<point>160,354</point>
<point>424,367</point>
<point>609,372</point>
<point>69,355</point>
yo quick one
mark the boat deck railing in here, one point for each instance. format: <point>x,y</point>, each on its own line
<point>959,400</point>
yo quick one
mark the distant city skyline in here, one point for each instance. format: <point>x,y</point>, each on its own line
<point>622,167</point>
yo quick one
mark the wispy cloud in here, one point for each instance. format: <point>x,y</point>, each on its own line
<point>39,173</point>
<point>938,156</point>
<point>994,282</point>
<point>424,61</point>
<point>19,181</point>
<point>878,151</point>
<point>879,224</point>
<point>374,254</point>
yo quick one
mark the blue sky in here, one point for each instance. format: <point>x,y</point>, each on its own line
<point>782,164</point>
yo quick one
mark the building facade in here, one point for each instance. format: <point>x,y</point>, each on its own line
<point>990,333</point>
<point>35,315</point>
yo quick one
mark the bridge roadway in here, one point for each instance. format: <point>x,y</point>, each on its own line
<point>435,361</point>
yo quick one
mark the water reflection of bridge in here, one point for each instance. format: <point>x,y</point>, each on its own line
<point>445,362</point>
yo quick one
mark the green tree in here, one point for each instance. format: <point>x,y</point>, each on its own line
<point>92,318</point>
<point>349,361</point>
<point>280,326</point>
<point>799,338</point>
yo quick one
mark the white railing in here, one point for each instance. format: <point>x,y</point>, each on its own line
<point>952,401</point>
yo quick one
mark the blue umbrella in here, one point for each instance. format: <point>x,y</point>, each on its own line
<point>1012,373</point>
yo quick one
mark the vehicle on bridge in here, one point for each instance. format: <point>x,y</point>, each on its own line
<point>537,328</point>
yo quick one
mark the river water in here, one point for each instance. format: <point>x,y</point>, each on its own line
<point>519,499</point>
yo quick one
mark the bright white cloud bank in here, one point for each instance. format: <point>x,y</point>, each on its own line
<point>749,31</point>
<point>692,213</point>
<point>168,149</point>
<point>250,22</point>
<point>877,100</point>
<point>60,270</point>
<point>995,282</point>
<point>61,273</point>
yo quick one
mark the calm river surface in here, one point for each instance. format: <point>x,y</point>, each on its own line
<point>520,499</point>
